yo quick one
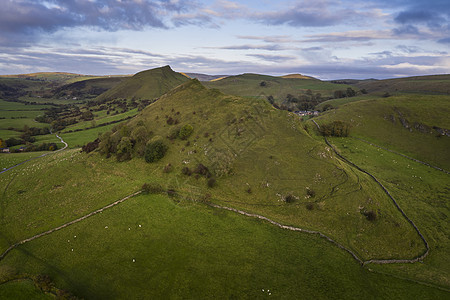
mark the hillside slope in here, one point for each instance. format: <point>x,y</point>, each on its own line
<point>145,85</point>
<point>415,125</point>
<point>265,162</point>
<point>280,88</point>
<point>435,84</point>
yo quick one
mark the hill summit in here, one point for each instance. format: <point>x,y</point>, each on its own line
<point>147,84</point>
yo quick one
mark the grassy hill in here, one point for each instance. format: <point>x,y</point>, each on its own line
<point>242,153</point>
<point>263,86</point>
<point>258,155</point>
<point>415,125</point>
<point>148,84</point>
<point>86,89</point>
<point>435,84</point>
<point>298,76</point>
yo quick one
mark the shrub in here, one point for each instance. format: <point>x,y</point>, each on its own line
<point>123,150</point>
<point>289,198</point>
<point>171,192</point>
<point>202,170</point>
<point>152,188</point>
<point>310,193</point>
<point>155,150</point>
<point>370,215</point>
<point>173,134</point>
<point>91,146</point>
<point>167,168</point>
<point>336,128</point>
<point>185,131</point>
<point>211,182</point>
<point>309,206</point>
<point>186,171</point>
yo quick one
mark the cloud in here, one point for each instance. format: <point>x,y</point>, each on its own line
<point>444,40</point>
<point>270,47</point>
<point>272,58</point>
<point>23,21</point>
<point>269,39</point>
<point>357,36</point>
<point>433,15</point>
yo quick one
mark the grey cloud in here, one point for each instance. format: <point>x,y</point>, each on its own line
<point>91,61</point>
<point>444,41</point>
<point>272,47</point>
<point>269,39</point>
<point>272,58</point>
<point>23,21</point>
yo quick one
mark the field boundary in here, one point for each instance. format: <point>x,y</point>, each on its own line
<point>45,154</point>
<point>67,224</point>
<point>398,153</point>
<point>385,261</point>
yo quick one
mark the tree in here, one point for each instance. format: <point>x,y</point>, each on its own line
<point>124,148</point>
<point>185,131</point>
<point>335,128</point>
<point>155,150</point>
<point>350,92</point>
<point>2,144</point>
<point>87,115</point>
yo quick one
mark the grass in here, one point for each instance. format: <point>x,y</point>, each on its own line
<point>22,290</point>
<point>335,103</point>
<point>248,85</point>
<point>102,118</point>
<point>378,120</point>
<point>436,84</point>
<point>148,85</point>
<point>259,155</point>
<point>80,138</point>
<point>10,159</point>
<point>422,192</point>
<point>149,247</point>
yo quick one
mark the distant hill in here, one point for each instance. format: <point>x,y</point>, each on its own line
<point>288,90</point>
<point>204,77</point>
<point>148,84</point>
<point>298,76</point>
<point>434,84</point>
<point>89,88</point>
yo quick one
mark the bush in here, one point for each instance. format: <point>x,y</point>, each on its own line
<point>310,206</point>
<point>91,146</point>
<point>155,150</point>
<point>211,182</point>
<point>185,131</point>
<point>370,215</point>
<point>289,198</point>
<point>310,193</point>
<point>167,168</point>
<point>336,128</point>
<point>202,170</point>
<point>124,148</point>
<point>186,171</point>
<point>152,188</point>
<point>173,133</point>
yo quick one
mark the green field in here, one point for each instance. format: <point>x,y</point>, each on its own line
<point>249,85</point>
<point>264,161</point>
<point>423,194</point>
<point>402,123</point>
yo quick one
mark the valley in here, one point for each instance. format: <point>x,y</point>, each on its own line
<point>157,185</point>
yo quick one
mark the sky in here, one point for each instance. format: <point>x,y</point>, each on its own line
<point>327,39</point>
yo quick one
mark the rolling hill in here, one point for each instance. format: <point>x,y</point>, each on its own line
<point>435,84</point>
<point>242,200</point>
<point>148,85</point>
<point>263,86</point>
